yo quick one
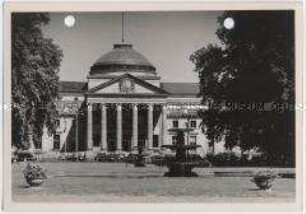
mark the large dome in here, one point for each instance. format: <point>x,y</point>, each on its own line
<point>123,58</point>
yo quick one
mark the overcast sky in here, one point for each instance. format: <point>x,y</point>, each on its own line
<point>166,39</point>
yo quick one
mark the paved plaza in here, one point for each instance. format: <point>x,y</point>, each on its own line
<point>116,182</point>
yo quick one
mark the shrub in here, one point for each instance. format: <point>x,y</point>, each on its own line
<point>231,159</point>
<point>224,159</point>
<point>33,172</point>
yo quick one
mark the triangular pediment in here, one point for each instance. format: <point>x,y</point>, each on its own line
<point>127,84</point>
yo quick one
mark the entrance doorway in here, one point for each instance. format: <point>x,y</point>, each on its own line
<point>126,144</point>
<point>111,144</point>
<point>142,143</point>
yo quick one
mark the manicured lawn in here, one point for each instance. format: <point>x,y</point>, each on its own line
<point>114,182</point>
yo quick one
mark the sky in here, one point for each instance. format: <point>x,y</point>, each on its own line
<point>166,39</point>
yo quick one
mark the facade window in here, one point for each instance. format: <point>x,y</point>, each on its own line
<point>39,145</point>
<point>193,124</point>
<point>56,142</point>
<point>111,145</point>
<point>193,140</point>
<point>76,98</point>
<point>96,140</point>
<point>175,124</point>
<point>57,123</point>
<point>126,145</point>
<point>174,140</point>
<point>155,140</point>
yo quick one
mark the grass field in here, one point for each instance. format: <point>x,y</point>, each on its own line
<point>114,182</point>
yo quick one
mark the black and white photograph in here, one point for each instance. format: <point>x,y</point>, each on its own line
<point>127,106</point>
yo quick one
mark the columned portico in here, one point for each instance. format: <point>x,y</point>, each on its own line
<point>120,139</point>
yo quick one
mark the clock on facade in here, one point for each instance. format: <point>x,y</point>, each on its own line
<point>127,86</point>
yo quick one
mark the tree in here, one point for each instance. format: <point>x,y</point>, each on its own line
<point>35,82</point>
<point>253,65</point>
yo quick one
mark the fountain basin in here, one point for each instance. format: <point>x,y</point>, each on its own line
<point>35,182</point>
<point>181,169</point>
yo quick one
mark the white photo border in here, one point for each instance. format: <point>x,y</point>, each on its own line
<point>15,6</point>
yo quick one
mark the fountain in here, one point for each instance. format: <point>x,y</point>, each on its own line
<point>181,165</point>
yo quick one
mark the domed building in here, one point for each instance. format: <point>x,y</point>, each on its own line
<point>122,106</point>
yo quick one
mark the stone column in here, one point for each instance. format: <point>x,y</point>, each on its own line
<point>104,127</point>
<point>135,126</point>
<point>150,126</point>
<point>89,127</point>
<point>164,125</point>
<point>160,125</point>
<point>119,127</point>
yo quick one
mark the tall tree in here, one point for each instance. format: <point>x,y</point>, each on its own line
<point>254,64</point>
<point>35,82</point>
